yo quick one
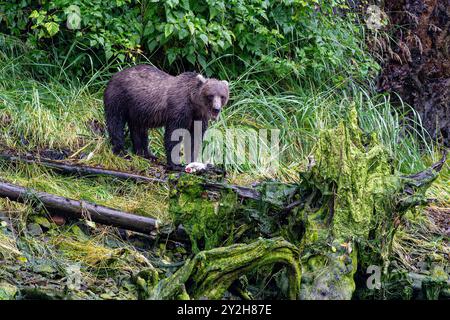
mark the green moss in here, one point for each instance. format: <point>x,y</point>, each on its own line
<point>262,216</point>
<point>357,177</point>
<point>146,280</point>
<point>207,216</point>
<point>435,283</point>
<point>7,291</point>
<point>329,276</point>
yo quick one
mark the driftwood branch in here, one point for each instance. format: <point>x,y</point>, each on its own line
<point>242,192</point>
<point>80,170</point>
<point>80,209</point>
<point>426,176</point>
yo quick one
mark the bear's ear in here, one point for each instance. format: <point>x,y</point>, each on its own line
<point>225,82</point>
<point>201,78</point>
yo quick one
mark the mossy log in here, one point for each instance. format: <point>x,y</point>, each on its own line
<point>431,286</point>
<point>210,273</point>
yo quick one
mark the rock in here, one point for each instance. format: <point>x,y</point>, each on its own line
<point>34,229</point>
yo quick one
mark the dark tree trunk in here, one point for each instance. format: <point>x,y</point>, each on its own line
<point>418,67</point>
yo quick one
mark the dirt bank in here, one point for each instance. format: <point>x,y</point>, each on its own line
<point>418,67</point>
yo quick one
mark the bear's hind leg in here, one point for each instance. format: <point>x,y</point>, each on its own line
<point>116,131</point>
<point>139,137</point>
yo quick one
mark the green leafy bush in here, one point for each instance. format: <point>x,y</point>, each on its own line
<point>285,36</point>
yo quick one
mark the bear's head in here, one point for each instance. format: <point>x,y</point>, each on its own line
<point>211,96</point>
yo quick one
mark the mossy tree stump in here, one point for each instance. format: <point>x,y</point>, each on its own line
<point>340,216</point>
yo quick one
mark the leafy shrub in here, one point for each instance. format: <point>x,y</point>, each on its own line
<point>285,36</point>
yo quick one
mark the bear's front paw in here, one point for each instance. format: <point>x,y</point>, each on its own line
<point>174,167</point>
<point>151,158</point>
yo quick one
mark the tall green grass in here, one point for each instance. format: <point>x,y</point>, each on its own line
<point>65,113</point>
<point>301,113</point>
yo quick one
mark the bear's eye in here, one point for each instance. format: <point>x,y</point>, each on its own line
<point>210,97</point>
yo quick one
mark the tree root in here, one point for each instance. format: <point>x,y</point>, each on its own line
<point>210,273</point>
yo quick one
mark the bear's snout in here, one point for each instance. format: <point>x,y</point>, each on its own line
<point>216,106</point>
<point>215,113</point>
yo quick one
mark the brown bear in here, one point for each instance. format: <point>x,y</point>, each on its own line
<point>145,97</point>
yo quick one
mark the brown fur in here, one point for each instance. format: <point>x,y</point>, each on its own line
<point>145,97</point>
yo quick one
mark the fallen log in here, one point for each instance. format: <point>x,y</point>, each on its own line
<point>81,209</point>
<point>242,192</point>
<point>82,170</point>
<point>421,282</point>
<point>85,171</point>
